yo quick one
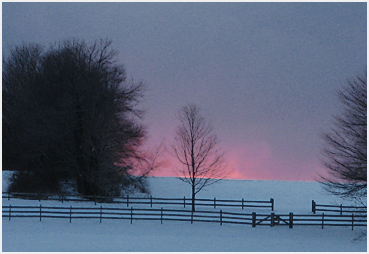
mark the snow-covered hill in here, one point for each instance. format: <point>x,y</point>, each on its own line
<point>289,196</point>
<point>30,234</point>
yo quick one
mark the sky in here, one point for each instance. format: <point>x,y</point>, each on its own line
<point>264,74</point>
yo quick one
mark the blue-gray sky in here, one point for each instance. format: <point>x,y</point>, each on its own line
<point>265,74</point>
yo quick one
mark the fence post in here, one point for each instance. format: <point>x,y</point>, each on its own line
<point>10,212</point>
<point>161,216</point>
<point>8,195</point>
<point>151,201</point>
<point>242,203</point>
<point>184,202</point>
<point>291,220</point>
<point>352,222</point>
<point>221,217</point>
<point>272,220</point>
<point>341,209</point>
<point>215,203</point>
<point>40,212</point>
<point>313,206</point>
<point>322,220</point>
<point>127,200</point>
<point>131,214</point>
<point>272,201</point>
<point>70,214</point>
<point>253,219</point>
<point>100,213</point>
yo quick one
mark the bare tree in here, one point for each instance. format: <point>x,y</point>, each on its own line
<point>344,153</point>
<point>196,148</point>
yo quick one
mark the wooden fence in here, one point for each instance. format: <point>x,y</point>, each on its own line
<point>221,217</point>
<point>129,201</point>
<point>321,220</point>
<point>341,209</point>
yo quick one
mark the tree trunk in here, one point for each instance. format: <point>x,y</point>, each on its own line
<point>193,198</point>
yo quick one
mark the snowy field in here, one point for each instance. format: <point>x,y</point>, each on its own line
<point>29,234</point>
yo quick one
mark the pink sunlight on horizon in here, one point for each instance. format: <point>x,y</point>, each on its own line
<point>253,163</point>
<point>237,174</point>
<point>249,155</point>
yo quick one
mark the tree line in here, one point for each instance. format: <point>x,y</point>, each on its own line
<point>71,120</point>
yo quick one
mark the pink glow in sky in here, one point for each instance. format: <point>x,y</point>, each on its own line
<point>254,162</point>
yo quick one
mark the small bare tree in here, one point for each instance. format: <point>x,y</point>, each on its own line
<point>345,146</point>
<point>196,148</point>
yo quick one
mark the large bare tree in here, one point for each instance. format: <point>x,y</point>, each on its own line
<point>345,154</point>
<point>70,115</point>
<point>196,149</point>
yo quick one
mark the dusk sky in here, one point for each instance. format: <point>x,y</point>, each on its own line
<point>265,74</point>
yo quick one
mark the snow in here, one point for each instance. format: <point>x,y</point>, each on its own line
<point>29,234</point>
<point>121,236</point>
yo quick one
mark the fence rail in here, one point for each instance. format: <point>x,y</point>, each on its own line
<point>129,201</point>
<point>221,217</point>
<point>341,209</point>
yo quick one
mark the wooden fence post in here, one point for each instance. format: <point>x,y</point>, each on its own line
<point>70,214</point>
<point>127,200</point>
<point>242,203</point>
<point>291,220</point>
<point>100,213</point>
<point>253,219</point>
<point>341,209</point>
<point>131,214</point>
<point>161,216</point>
<point>313,206</point>
<point>151,201</point>
<point>40,212</point>
<point>272,220</point>
<point>10,212</point>
<point>184,202</point>
<point>322,220</point>
<point>215,203</point>
<point>272,201</point>
<point>221,217</point>
<point>352,222</point>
